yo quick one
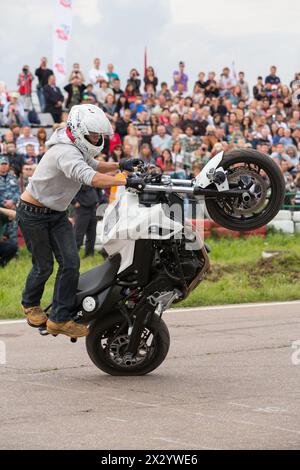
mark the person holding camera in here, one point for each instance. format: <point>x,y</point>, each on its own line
<point>134,80</point>
<point>24,83</point>
<point>76,73</point>
<point>13,112</point>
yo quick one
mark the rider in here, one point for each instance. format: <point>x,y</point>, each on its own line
<point>68,163</point>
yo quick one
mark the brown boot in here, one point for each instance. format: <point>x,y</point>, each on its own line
<point>68,328</point>
<point>35,316</point>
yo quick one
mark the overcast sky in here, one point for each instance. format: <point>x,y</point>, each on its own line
<point>205,34</point>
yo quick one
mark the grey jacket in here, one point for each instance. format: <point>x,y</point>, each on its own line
<point>60,173</point>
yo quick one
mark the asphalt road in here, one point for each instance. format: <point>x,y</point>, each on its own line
<point>228,383</point>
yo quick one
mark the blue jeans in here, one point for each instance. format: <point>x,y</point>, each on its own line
<point>47,235</point>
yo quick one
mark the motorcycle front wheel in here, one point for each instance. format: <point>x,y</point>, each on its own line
<point>264,192</point>
<point>107,341</point>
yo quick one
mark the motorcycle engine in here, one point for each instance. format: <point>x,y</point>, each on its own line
<point>190,264</point>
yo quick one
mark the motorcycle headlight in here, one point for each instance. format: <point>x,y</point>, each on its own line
<point>89,304</point>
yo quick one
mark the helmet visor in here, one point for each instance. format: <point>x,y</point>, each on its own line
<point>94,138</point>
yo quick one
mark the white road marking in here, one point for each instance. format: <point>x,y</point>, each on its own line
<point>268,409</point>
<point>39,384</point>
<point>224,419</point>
<point>133,402</point>
<point>171,441</point>
<point>11,322</point>
<point>196,309</point>
<point>239,404</point>
<point>116,419</point>
<point>234,306</point>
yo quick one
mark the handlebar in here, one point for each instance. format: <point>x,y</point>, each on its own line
<point>168,189</point>
<point>182,182</point>
<point>164,184</point>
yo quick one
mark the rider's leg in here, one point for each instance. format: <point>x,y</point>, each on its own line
<point>65,250</point>
<point>36,234</point>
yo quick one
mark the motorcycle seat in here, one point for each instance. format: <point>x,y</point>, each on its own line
<point>99,278</point>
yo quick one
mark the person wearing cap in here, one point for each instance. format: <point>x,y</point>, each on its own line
<point>8,248</point>
<point>69,163</point>
<point>88,95</point>
<point>9,196</point>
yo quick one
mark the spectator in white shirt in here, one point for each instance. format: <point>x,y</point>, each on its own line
<point>27,138</point>
<point>103,92</point>
<point>161,140</point>
<point>96,75</point>
<point>227,81</point>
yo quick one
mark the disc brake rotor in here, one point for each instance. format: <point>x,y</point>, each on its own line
<point>117,352</point>
<point>255,185</point>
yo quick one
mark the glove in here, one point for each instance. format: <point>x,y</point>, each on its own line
<point>135,182</point>
<point>128,165</point>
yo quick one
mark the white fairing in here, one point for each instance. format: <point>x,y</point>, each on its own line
<point>126,221</point>
<point>202,179</point>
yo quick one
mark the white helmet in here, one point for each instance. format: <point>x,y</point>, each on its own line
<point>83,119</point>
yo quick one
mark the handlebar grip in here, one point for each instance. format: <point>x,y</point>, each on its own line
<point>198,191</point>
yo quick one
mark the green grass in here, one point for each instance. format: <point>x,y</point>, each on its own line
<point>238,274</point>
<point>12,280</point>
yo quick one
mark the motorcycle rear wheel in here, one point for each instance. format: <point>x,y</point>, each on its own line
<point>106,347</point>
<point>266,202</point>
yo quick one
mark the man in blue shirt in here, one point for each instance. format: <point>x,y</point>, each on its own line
<point>137,106</point>
<point>272,78</point>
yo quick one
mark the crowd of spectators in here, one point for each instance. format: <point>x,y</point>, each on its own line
<point>177,126</point>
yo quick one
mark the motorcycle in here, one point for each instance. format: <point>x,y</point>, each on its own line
<point>155,258</point>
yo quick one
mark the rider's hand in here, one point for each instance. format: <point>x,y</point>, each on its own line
<point>135,182</point>
<point>129,165</point>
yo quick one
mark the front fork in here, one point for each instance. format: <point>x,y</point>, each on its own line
<point>135,329</point>
<point>157,302</point>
